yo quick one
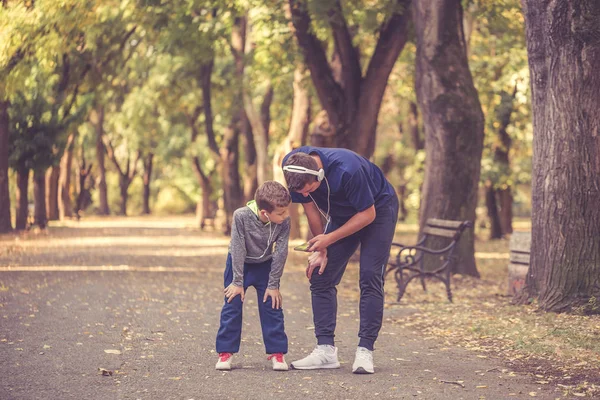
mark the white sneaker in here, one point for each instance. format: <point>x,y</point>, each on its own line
<point>279,363</point>
<point>322,357</point>
<point>224,363</point>
<point>363,361</point>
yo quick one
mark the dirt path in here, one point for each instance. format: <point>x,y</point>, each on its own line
<point>141,298</point>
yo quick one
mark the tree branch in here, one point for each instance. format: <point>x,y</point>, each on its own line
<point>110,151</point>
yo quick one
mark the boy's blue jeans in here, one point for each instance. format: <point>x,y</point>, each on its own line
<point>271,320</point>
<point>375,242</point>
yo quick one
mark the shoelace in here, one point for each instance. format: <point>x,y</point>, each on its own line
<point>223,357</point>
<point>277,356</point>
<point>364,355</point>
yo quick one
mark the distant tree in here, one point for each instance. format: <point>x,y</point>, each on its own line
<point>452,119</point>
<point>563,44</point>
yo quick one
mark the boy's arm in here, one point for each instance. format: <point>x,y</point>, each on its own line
<point>238,250</point>
<point>279,255</point>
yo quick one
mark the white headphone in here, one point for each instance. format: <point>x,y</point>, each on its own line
<point>320,174</point>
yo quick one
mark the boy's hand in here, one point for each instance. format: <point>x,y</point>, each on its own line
<point>276,299</point>
<point>316,259</point>
<point>231,291</point>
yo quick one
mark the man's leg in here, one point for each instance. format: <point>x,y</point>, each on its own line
<point>376,241</point>
<point>230,331</point>
<point>323,288</point>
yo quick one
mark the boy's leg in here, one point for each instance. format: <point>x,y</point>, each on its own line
<point>376,241</point>
<point>271,320</point>
<point>230,331</point>
<point>323,288</point>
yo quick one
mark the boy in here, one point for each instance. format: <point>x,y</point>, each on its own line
<point>257,254</point>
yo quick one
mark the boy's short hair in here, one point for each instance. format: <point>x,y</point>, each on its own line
<point>271,195</point>
<point>296,181</point>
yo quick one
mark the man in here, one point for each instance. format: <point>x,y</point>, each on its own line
<point>359,207</point>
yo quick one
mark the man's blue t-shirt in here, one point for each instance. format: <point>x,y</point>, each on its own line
<point>355,183</point>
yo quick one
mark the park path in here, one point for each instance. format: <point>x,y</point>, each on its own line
<point>140,298</point>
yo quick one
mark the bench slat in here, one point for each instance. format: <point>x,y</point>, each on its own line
<point>444,223</point>
<point>520,241</point>
<point>519,258</point>
<point>439,232</point>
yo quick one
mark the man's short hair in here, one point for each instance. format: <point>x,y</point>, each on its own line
<point>296,181</point>
<point>271,195</point>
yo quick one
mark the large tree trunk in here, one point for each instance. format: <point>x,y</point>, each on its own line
<point>260,132</point>
<point>353,105</point>
<point>52,176</point>
<point>505,200</point>
<point>97,119</point>
<point>39,197</point>
<point>147,177</point>
<point>453,121</point>
<point>22,211</point>
<point>5,221</point>
<point>564,54</point>
<point>123,189</point>
<point>65,206</point>
<point>203,208</point>
<point>251,169</point>
<point>296,137</point>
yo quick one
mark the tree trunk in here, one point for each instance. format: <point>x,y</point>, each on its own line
<point>505,200</point>
<point>39,197</point>
<point>296,137</point>
<point>453,121</point>
<point>492,210</point>
<point>52,176</point>
<point>564,54</point>
<point>65,206</point>
<point>147,178</point>
<point>123,188</point>
<point>97,119</point>
<point>22,211</point>
<point>353,105</point>
<point>83,195</point>
<point>251,170</point>
<point>413,122</point>
<point>203,208</point>
<point>5,219</point>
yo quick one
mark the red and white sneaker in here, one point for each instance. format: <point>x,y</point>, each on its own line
<point>279,363</point>
<point>224,363</point>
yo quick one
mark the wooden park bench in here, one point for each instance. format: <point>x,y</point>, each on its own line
<point>406,262</point>
<point>520,248</point>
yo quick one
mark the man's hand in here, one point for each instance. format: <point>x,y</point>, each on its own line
<point>316,259</point>
<point>320,242</point>
<point>276,299</point>
<point>231,291</point>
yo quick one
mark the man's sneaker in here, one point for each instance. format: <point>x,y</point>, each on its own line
<point>279,363</point>
<point>363,361</point>
<point>224,363</point>
<point>322,357</point>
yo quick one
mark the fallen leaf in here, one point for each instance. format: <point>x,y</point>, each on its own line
<point>112,351</point>
<point>105,372</point>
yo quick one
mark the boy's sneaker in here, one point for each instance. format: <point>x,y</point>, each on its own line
<point>363,361</point>
<point>224,363</point>
<point>279,363</point>
<point>322,357</point>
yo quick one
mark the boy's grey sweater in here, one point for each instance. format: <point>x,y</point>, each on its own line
<point>249,236</point>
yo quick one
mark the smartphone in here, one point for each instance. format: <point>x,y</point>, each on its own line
<point>302,247</point>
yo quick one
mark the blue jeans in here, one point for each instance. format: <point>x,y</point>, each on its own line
<point>271,320</point>
<point>375,242</point>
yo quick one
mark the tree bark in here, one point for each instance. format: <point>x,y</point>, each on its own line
<point>97,119</point>
<point>563,45</point>
<point>83,173</point>
<point>40,217</point>
<point>250,177</point>
<point>5,219</point>
<point>22,210</point>
<point>52,176</point>
<point>65,205</point>
<point>203,209</point>
<point>352,106</point>
<point>453,121</point>
<point>492,209</point>
<point>296,137</point>
<point>147,177</point>
<point>413,122</point>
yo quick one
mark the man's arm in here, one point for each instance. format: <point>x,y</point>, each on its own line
<point>314,218</point>
<point>354,224</point>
